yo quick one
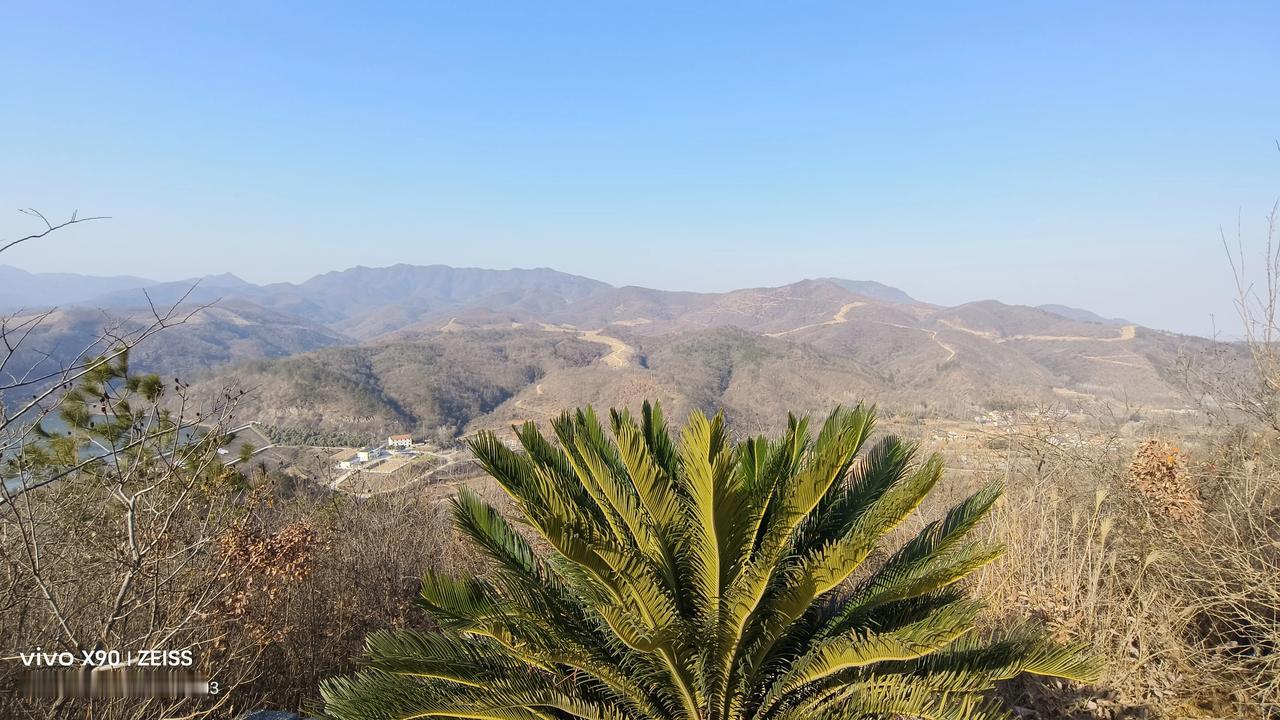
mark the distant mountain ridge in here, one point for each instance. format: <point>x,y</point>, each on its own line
<point>403,293</point>
<point>365,302</point>
<point>1081,315</point>
<point>873,289</point>
<point>19,288</point>
<point>200,290</point>
<point>550,339</point>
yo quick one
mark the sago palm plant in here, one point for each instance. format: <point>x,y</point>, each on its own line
<point>701,579</point>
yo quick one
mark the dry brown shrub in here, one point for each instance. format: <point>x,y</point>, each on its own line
<point>1159,473</point>
<point>265,565</point>
<point>326,570</point>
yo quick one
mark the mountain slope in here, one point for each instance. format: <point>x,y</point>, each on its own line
<point>430,386</point>
<point>228,332</point>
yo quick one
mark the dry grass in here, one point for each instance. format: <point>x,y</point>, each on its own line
<point>1230,580</point>
<point>1177,588</point>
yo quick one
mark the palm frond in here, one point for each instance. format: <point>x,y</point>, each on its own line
<point>693,578</point>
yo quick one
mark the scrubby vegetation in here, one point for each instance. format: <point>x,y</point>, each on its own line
<point>304,435</point>
<point>161,545</point>
<point>432,387</point>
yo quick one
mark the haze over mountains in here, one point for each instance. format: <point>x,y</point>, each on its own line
<point>410,290</point>
<point>19,288</point>
<point>440,349</point>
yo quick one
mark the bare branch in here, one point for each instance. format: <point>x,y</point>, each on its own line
<point>49,227</point>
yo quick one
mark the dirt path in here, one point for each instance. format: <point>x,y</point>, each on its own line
<point>1127,332</point>
<point>933,335</point>
<point>1117,360</point>
<point>520,404</point>
<point>841,316</point>
<point>621,355</point>
<point>523,406</point>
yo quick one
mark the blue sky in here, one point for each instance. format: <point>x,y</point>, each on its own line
<point>1077,153</point>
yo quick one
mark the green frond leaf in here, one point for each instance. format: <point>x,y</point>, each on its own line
<point>693,578</point>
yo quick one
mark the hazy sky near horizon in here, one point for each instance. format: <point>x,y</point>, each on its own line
<point>1076,153</point>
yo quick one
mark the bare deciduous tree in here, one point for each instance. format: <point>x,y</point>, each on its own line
<point>116,507</point>
<point>38,376</point>
<point>1244,377</point>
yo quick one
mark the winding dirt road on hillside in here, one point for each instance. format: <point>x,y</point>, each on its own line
<point>523,406</point>
<point>933,335</point>
<point>841,316</point>
<point>1119,360</point>
<point>621,355</point>
<point>1127,332</point>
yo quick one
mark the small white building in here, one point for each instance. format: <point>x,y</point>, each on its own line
<point>364,455</point>
<point>403,442</point>
<point>346,459</point>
